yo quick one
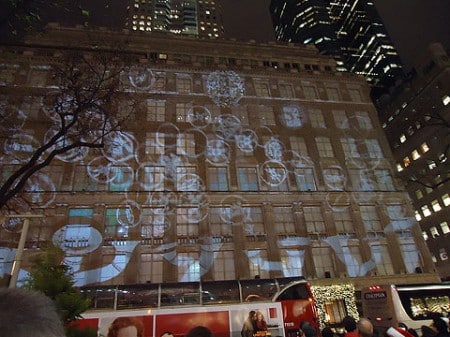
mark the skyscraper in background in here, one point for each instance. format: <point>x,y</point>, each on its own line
<point>200,18</point>
<point>350,30</point>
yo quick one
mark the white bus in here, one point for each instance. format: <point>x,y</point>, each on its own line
<point>413,305</point>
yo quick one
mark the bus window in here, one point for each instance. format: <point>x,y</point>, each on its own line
<point>180,293</point>
<point>258,289</point>
<point>221,292</point>
<point>137,296</point>
<point>297,292</point>
<point>102,297</point>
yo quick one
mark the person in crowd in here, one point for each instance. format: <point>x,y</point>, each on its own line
<point>350,327</point>
<point>200,331</point>
<point>327,332</point>
<point>308,329</point>
<point>428,331</point>
<point>167,334</point>
<point>365,327</point>
<point>441,327</point>
<point>260,323</point>
<point>249,327</point>
<point>126,327</point>
<point>25,313</point>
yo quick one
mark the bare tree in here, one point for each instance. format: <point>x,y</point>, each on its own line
<point>77,113</point>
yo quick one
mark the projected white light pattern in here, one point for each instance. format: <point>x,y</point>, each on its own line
<point>125,165</point>
<point>225,88</point>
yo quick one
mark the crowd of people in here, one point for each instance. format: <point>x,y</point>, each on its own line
<point>19,306</point>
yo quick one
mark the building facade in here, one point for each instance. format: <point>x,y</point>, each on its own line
<point>350,30</point>
<point>202,18</point>
<point>415,117</point>
<point>233,167</point>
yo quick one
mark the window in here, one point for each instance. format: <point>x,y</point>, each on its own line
<point>364,120</point>
<point>187,222</point>
<point>434,232</point>
<point>410,256</point>
<point>284,219</point>
<point>355,95</point>
<point>253,220</point>
<point>113,227</point>
<point>415,155</point>
<point>402,138</point>
<point>220,221</point>
<point>186,144</point>
<point>223,267</point>
<point>156,110</point>
<point>333,94</point>
<point>419,194</point>
<point>350,148</point>
<point>323,261</point>
<point>309,92</point>
<point>262,89</point>
<point>188,267</point>
<point>340,119</point>
<point>37,76</point>
<point>305,179</point>
<point>154,143</point>
<point>399,168</point>
<point>218,178</point>
<point>316,118</point>
<point>425,235</point>
<point>444,227</point>
<point>151,178</point>
<point>298,145</point>
<point>88,180</point>
<point>343,221</point>
<point>382,259</point>
<point>257,262</point>
<point>324,147</point>
<point>187,179</point>
<point>121,178</point>
<point>417,215</point>
<point>314,220</point>
<point>446,199</point>
<point>406,161</point>
<point>384,180</point>
<point>436,206</point>
<point>292,261</point>
<point>425,210</point>
<point>160,81</point>
<point>373,148</point>
<point>248,179</point>
<point>151,268</point>
<point>353,260</point>
<point>370,219</point>
<point>153,223</point>
<point>399,221</point>
<point>334,177</point>
<point>183,110</point>
<point>265,115</point>
<point>184,84</point>
<point>286,90</point>
<point>424,147</point>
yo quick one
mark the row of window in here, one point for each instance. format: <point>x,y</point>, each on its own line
<point>415,155</point>
<point>39,76</point>
<point>436,206</point>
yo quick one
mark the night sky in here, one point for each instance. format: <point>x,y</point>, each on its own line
<point>412,24</point>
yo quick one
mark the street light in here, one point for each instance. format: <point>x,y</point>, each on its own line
<point>23,238</point>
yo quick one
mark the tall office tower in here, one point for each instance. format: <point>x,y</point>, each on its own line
<point>350,30</point>
<point>416,117</point>
<point>202,18</point>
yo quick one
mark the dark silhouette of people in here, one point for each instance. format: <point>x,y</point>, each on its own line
<point>365,327</point>
<point>327,332</point>
<point>350,326</point>
<point>25,313</point>
<point>307,329</point>
<point>200,331</point>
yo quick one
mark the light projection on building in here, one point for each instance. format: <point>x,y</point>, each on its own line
<point>161,171</point>
<point>225,88</point>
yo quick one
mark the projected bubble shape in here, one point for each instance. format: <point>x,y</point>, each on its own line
<point>20,146</point>
<point>77,239</point>
<point>141,78</point>
<point>225,88</point>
